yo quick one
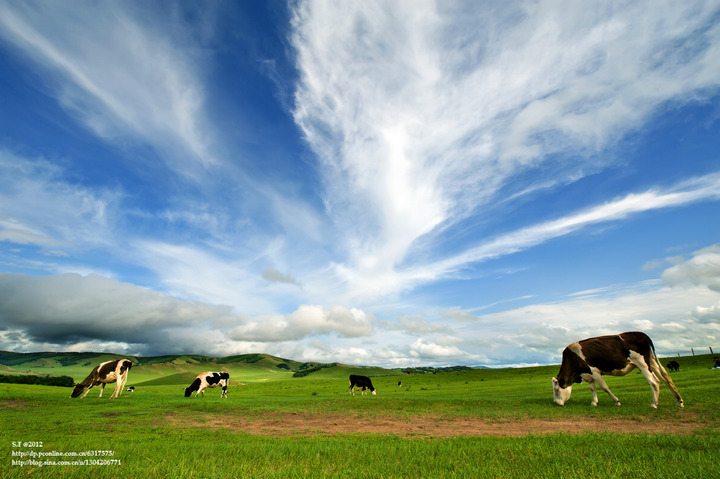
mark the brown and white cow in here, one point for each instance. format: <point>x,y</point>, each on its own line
<point>107,372</point>
<point>588,360</point>
<point>208,380</point>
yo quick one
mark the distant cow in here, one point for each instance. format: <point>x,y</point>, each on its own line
<point>362,381</point>
<point>131,389</point>
<point>107,372</point>
<point>589,359</point>
<point>209,380</point>
<point>673,366</point>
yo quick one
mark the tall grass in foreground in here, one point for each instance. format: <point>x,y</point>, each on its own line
<point>223,454</point>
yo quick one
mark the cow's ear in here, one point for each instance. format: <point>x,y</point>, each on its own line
<point>554,380</point>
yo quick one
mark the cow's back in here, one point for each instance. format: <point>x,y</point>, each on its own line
<point>638,342</point>
<point>607,353</point>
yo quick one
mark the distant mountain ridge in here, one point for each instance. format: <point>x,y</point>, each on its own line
<point>65,359</point>
<point>178,364</point>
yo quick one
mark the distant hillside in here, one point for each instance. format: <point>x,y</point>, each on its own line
<point>163,370</point>
<point>64,359</point>
<point>182,368</point>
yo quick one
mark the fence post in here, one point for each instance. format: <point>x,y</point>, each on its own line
<point>711,351</point>
<point>693,351</point>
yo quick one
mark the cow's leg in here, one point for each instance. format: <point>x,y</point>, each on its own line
<point>660,372</point>
<point>597,377</point>
<point>593,390</point>
<point>352,390</point>
<point>87,390</point>
<point>639,361</point>
<point>102,388</point>
<point>124,381</point>
<point>118,387</point>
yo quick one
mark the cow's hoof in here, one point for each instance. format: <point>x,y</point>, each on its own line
<point>593,404</point>
<point>654,406</point>
<point>618,404</point>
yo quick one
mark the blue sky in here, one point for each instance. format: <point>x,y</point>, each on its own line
<point>382,183</point>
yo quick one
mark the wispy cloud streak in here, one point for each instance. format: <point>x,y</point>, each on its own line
<point>122,80</point>
<point>421,118</point>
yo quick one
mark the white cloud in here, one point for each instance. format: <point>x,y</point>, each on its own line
<point>415,326</point>
<point>70,308</point>
<point>421,117</point>
<point>676,318</point>
<point>307,320</point>
<point>703,269</point>
<point>698,189</point>
<point>128,82</point>
<point>39,207</point>
<point>438,350</point>
<point>705,188</point>
<point>75,311</point>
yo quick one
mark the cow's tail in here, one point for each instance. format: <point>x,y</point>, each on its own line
<point>657,368</point>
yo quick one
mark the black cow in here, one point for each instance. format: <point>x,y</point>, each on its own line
<point>107,372</point>
<point>209,380</point>
<point>588,360</point>
<point>362,381</point>
<point>673,366</point>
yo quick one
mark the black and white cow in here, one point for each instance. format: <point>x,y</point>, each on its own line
<point>588,360</point>
<point>673,366</point>
<point>107,372</point>
<point>209,380</point>
<point>361,381</point>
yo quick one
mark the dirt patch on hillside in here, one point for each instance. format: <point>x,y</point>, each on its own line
<point>294,424</point>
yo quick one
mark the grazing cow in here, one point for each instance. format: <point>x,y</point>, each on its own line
<point>362,381</point>
<point>131,389</point>
<point>208,380</point>
<point>673,366</point>
<point>104,373</point>
<point>589,359</point>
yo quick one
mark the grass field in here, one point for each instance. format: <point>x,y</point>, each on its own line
<point>480,423</point>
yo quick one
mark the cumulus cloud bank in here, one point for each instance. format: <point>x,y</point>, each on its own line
<point>72,307</point>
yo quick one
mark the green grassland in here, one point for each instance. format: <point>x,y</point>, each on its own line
<point>156,432</point>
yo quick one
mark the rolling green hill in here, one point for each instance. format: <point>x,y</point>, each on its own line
<point>179,369</point>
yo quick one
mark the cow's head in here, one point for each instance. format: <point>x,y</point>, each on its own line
<point>79,388</point>
<point>560,394</point>
<point>189,391</point>
<point>374,392</point>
